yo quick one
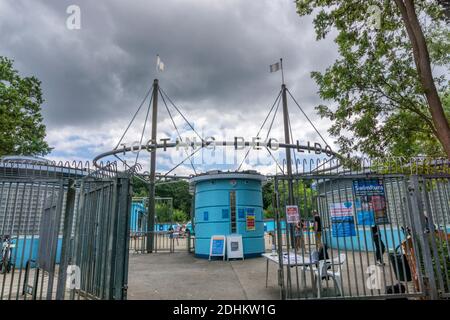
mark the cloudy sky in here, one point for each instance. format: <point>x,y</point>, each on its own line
<point>216,53</point>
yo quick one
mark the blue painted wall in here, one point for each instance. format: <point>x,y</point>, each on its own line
<point>137,210</point>
<point>269,225</point>
<point>212,213</point>
<point>27,249</point>
<point>363,241</point>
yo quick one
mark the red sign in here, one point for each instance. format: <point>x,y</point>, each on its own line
<point>292,215</point>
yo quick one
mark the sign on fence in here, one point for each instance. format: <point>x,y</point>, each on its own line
<point>370,202</point>
<point>342,221</point>
<point>292,215</point>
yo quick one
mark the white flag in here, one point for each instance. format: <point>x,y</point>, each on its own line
<point>159,64</point>
<point>275,67</point>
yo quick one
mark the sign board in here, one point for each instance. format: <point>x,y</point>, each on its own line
<point>370,202</point>
<point>292,215</point>
<point>342,221</point>
<point>251,219</point>
<point>235,249</point>
<point>217,246</point>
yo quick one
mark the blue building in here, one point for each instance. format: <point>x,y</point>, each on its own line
<point>228,203</point>
<point>138,217</point>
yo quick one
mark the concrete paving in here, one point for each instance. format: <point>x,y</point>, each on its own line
<point>182,276</point>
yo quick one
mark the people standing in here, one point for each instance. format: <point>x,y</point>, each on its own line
<point>379,245</point>
<point>299,235</point>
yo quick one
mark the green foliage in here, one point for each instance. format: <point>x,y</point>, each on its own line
<point>21,129</point>
<point>304,197</point>
<point>163,212</point>
<point>269,212</point>
<point>179,191</point>
<point>267,191</point>
<point>378,105</point>
<point>140,188</point>
<point>443,260</point>
<point>180,216</point>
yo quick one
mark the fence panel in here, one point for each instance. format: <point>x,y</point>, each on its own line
<point>376,237</point>
<point>100,239</point>
<point>56,217</point>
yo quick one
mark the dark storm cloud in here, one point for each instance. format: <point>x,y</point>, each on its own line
<point>216,54</point>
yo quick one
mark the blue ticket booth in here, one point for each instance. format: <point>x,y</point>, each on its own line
<point>228,203</point>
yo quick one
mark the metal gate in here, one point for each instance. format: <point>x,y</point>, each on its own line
<point>60,218</point>
<point>100,238</point>
<point>370,233</point>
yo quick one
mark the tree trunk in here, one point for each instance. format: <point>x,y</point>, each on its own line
<point>423,66</point>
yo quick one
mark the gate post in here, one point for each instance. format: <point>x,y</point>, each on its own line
<point>422,231</point>
<point>66,241</point>
<point>280,273</point>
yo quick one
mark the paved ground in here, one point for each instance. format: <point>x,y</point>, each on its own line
<point>182,276</point>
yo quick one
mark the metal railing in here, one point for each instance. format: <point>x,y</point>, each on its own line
<point>48,222</point>
<point>377,245</point>
<point>163,241</point>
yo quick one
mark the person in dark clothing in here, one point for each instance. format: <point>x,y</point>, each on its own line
<point>323,252</point>
<point>317,228</point>
<point>379,245</point>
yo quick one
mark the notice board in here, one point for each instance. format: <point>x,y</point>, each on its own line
<point>235,249</point>
<point>250,219</point>
<point>370,202</point>
<point>292,215</point>
<point>342,222</point>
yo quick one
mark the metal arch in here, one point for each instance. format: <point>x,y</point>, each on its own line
<point>168,145</point>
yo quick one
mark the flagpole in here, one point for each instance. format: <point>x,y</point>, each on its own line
<point>152,183</point>
<point>282,72</point>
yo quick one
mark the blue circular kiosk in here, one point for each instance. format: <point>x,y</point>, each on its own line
<point>228,203</point>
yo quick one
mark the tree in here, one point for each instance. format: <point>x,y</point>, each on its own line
<point>179,191</point>
<point>304,197</point>
<point>180,216</point>
<point>388,101</point>
<point>21,129</point>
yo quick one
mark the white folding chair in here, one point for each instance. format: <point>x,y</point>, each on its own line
<point>324,273</point>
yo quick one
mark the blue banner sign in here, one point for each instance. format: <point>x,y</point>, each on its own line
<point>370,203</point>
<point>342,221</point>
<point>217,246</point>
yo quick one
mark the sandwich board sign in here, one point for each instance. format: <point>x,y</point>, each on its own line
<point>217,246</point>
<point>235,249</point>
<point>292,215</point>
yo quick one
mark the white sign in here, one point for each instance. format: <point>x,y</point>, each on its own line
<point>73,279</point>
<point>341,209</point>
<point>235,249</point>
<point>292,215</point>
<point>217,246</point>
